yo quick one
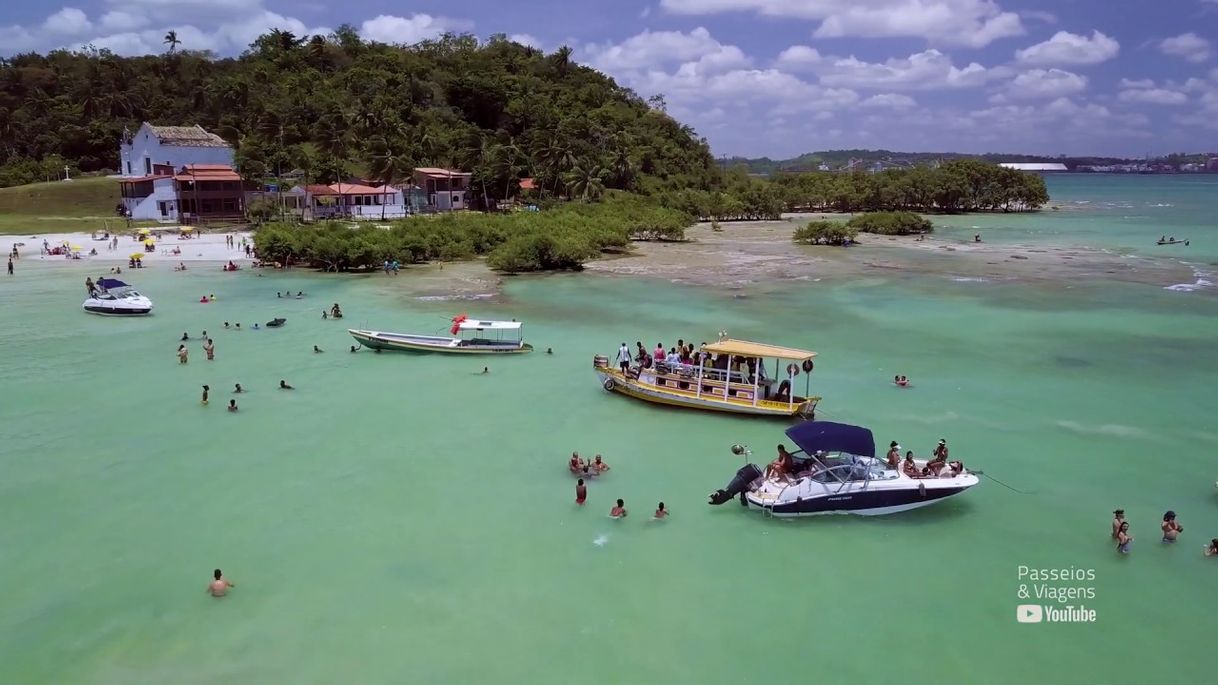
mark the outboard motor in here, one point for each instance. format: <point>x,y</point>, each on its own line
<point>744,477</point>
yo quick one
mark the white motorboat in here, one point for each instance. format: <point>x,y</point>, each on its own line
<point>835,471</point>
<point>112,297</point>
<point>469,336</point>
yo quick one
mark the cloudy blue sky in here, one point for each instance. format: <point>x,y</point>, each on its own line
<point>781,77</point>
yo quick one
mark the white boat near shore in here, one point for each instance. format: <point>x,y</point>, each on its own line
<point>113,297</point>
<point>469,336</point>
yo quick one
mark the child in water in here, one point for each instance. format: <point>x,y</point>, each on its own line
<point>205,389</point>
<point>618,511</point>
<point>581,492</point>
<point>661,512</point>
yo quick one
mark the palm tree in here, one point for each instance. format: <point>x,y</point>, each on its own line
<point>390,163</point>
<point>555,158</point>
<point>587,182</point>
<point>508,162</point>
<point>171,39</point>
<point>562,59</point>
<point>477,157</point>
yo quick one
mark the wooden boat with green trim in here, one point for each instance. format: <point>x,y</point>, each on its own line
<point>469,336</point>
<point>730,376</point>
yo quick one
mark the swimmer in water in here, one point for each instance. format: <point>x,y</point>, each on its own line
<point>256,327</point>
<point>316,349</point>
<point>549,350</point>
<point>210,348</point>
<point>238,326</point>
<point>661,512</point>
<point>486,369</point>
<point>618,511</point>
<point>598,465</point>
<point>324,314</point>
<point>581,492</point>
<point>205,389</point>
<point>1171,528</point>
<point>237,388</point>
<point>182,354</point>
<point>284,386</point>
<point>219,585</point>
<point>1118,517</point>
<point>278,294</point>
<point>185,336</point>
<point>232,405</point>
<point>1124,539</point>
<point>354,348</point>
<point>1212,548</point>
<point>226,324</point>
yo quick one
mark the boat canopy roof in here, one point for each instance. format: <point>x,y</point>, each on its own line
<point>111,283</point>
<point>744,348</point>
<point>475,325</point>
<point>827,436</point>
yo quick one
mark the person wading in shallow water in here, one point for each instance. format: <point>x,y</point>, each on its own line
<point>219,585</point>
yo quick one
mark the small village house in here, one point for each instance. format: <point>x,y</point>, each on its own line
<point>152,149</point>
<point>196,193</point>
<point>444,189</point>
<point>353,201</point>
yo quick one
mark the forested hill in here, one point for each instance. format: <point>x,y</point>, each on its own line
<point>337,105</point>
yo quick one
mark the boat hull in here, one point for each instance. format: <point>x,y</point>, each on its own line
<point>858,503</point>
<point>614,381</point>
<point>113,311</point>
<point>429,344</point>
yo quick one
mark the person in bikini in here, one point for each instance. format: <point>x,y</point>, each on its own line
<point>1171,528</point>
<point>576,465</point>
<point>598,465</point>
<point>894,456</point>
<point>908,467</point>
<point>939,460</point>
<point>1118,517</point>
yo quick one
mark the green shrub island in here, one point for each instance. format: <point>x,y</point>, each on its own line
<point>561,238</point>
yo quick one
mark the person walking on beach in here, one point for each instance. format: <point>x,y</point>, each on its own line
<point>219,585</point>
<point>1171,529</point>
<point>182,354</point>
<point>1118,517</point>
<point>581,492</point>
<point>10,266</point>
<point>210,348</point>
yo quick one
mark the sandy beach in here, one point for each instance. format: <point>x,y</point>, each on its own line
<point>207,247</point>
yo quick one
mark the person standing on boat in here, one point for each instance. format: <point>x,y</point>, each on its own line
<point>623,358</point>
<point>894,456</point>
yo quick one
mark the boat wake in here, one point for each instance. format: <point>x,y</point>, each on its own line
<point>1109,429</point>
<point>446,298</point>
<point>601,540</point>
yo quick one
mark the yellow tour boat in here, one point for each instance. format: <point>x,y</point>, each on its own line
<point>728,376</point>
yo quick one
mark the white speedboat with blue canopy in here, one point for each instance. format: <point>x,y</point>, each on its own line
<point>835,471</point>
<point>112,297</point>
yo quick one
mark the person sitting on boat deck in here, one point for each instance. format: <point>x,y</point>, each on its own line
<point>908,467</point>
<point>954,468</point>
<point>576,465</point>
<point>283,385</point>
<point>784,391</point>
<point>598,465</point>
<point>782,466</point>
<point>658,354</point>
<point>894,456</point>
<point>673,359</point>
<point>1162,238</point>
<point>623,358</point>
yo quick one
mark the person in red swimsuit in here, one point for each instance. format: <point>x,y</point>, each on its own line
<point>581,492</point>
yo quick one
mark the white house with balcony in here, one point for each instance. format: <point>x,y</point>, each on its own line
<point>158,150</point>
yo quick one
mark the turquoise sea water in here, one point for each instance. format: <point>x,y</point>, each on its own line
<point>406,519</point>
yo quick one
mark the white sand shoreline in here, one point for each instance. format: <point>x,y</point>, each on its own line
<point>207,247</point>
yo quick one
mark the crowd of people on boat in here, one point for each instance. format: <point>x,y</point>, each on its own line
<point>686,360</point>
<point>938,466</point>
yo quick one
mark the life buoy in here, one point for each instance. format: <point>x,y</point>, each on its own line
<point>807,366</point>
<point>609,384</point>
<point>792,370</point>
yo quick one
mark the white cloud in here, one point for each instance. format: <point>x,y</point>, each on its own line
<point>387,28</point>
<point>1044,83</point>
<point>889,101</point>
<point>1070,48</point>
<point>1188,46</point>
<point>926,70</point>
<point>120,20</point>
<point>1138,83</point>
<point>974,23</point>
<point>68,21</point>
<point>526,39</point>
<point>1153,96</point>
<point>655,49</point>
<point>798,58</point>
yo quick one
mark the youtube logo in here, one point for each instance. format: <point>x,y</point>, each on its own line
<point>1029,613</point>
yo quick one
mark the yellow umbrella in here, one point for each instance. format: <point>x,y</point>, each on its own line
<point>77,248</point>
<point>137,255</point>
<point>150,241</point>
<point>144,231</point>
<point>185,229</point>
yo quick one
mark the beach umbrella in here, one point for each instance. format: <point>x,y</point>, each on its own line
<point>137,255</point>
<point>144,231</point>
<point>77,248</point>
<point>150,241</point>
<point>185,229</point>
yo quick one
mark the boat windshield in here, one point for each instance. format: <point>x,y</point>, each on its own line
<point>838,467</point>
